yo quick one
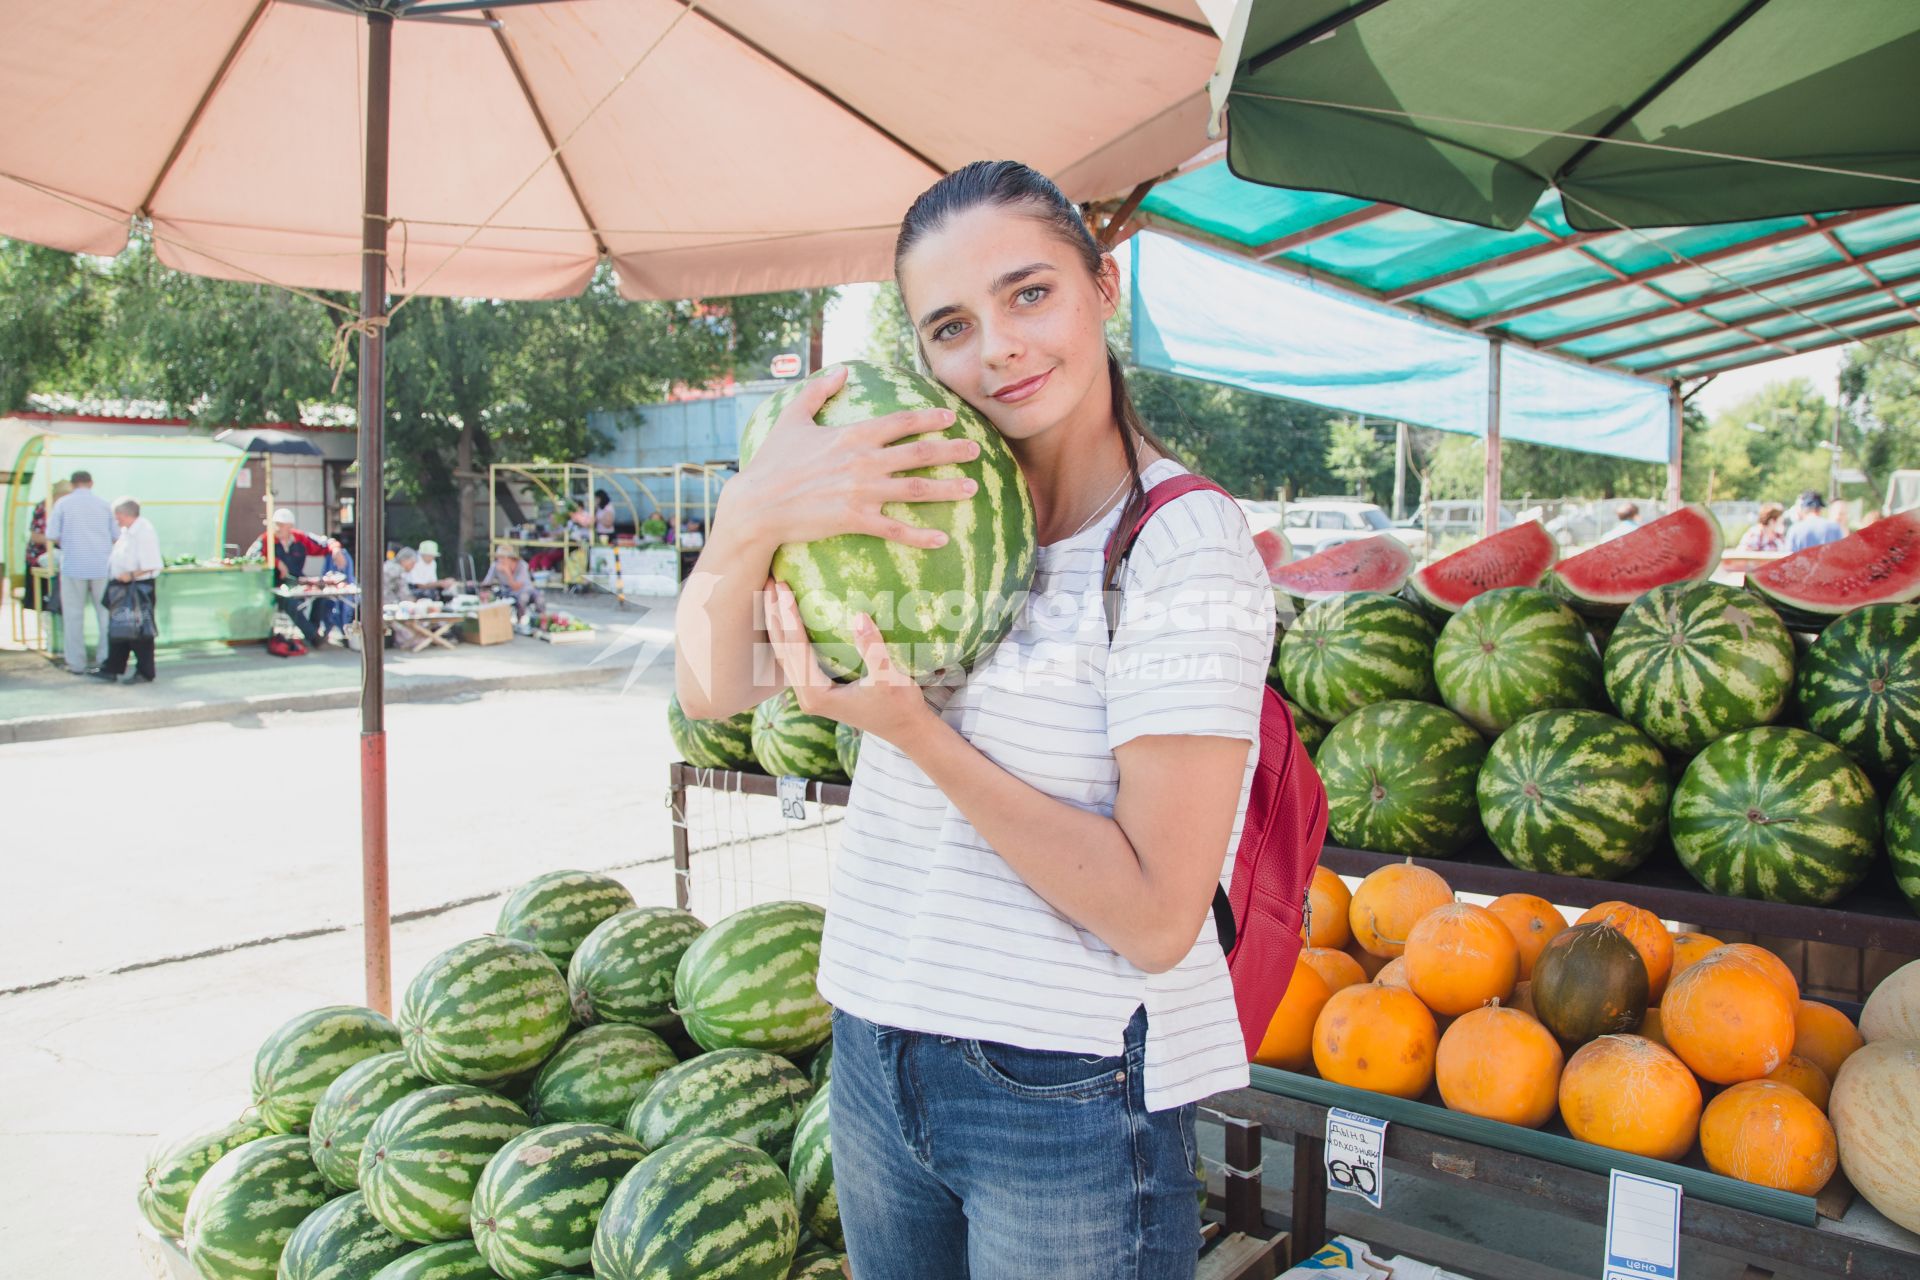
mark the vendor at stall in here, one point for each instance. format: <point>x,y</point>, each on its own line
<point>291,547</point>
<point>425,578</point>
<point>509,576</point>
<point>395,576</point>
<point>334,614</point>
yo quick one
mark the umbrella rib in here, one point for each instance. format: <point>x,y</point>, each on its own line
<point>145,207</point>
<point>1159,15</point>
<point>546,132</point>
<point>1319,30</point>
<point>742,38</point>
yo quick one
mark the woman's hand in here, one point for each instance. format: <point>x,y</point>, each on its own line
<point>806,483</point>
<point>883,702</point>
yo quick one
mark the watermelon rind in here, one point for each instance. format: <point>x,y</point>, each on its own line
<point>1777,814</point>
<point>712,744</point>
<point>846,748</point>
<point>484,1012</point>
<point>176,1164</point>
<point>1879,564</point>
<point>749,981</point>
<point>349,1107</point>
<point>1681,546</point>
<point>790,743</point>
<point>1355,650</point>
<point>249,1204</point>
<point>820,1067</point>
<point>1516,557</point>
<point>810,1170</point>
<point>453,1260</point>
<point>1859,688</point>
<point>1574,793</point>
<point>596,1075</point>
<point>1903,833</point>
<point>623,972</point>
<point>539,1198</point>
<point>1381,563</point>
<point>706,1207</point>
<point>420,1160</point>
<point>1695,661</point>
<point>557,910</point>
<point>938,610</point>
<point>341,1240</point>
<point>295,1064</point>
<point>819,1266</point>
<point>1400,779</point>
<point>743,1094</point>
<point>1510,652</point>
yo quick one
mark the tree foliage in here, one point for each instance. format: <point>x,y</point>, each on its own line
<point>1880,392</point>
<point>50,316</point>
<point>1354,453</point>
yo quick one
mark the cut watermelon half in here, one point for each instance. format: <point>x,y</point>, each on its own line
<point>1274,548</point>
<point>1516,557</point>
<point>1379,563</point>
<point>1879,564</point>
<point>1683,546</point>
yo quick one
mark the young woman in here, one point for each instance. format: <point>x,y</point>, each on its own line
<point>1029,993</point>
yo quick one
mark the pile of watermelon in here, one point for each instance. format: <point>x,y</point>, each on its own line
<point>594,1085</point>
<point>1585,715</point>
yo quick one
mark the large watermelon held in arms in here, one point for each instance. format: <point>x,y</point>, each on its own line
<point>1400,779</point>
<point>1695,661</point>
<point>1879,564</point>
<point>1516,557</point>
<point>1859,688</point>
<point>707,1207</point>
<point>711,744</point>
<point>1682,546</point>
<point>1574,793</point>
<point>940,609</point>
<point>789,742</point>
<point>484,1012</point>
<point>539,1198</point>
<point>748,982</point>
<point>1380,563</point>
<point>1354,650</point>
<point>1777,814</point>
<point>1512,651</point>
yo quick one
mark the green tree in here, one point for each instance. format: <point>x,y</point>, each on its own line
<point>889,335</point>
<point>51,311</point>
<point>1880,393</point>
<point>1354,454</point>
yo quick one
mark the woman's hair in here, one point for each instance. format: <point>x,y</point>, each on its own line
<point>1010,185</point>
<point>1771,511</point>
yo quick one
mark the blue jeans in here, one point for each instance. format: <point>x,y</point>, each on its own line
<point>967,1158</point>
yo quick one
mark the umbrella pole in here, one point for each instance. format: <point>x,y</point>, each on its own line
<point>370,521</point>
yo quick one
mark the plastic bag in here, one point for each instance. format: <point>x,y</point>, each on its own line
<point>130,610</point>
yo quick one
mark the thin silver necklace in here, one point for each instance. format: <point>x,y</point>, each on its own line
<point>1101,509</point>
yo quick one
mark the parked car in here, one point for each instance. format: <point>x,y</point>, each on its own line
<point>1314,524</point>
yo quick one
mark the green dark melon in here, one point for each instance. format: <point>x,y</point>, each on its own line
<point>1903,833</point>
<point>1859,688</point>
<point>1590,982</point>
<point>1510,652</point>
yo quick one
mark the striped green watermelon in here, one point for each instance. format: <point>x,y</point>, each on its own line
<point>819,1266</point>
<point>556,911</point>
<point>247,1205</point>
<point>483,1012</point>
<point>1859,688</point>
<point>597,1075</point>
<point>711,744</point>
<point>743,1094</point>
<point>820,1070</point>
<point>1312,732</point>
<point>699,1209</point>
<point>341,1240</point>
<point>1574,793</point>
<point>846,747</point>
<point>1510,652</point>
<point>423,1154</point>
<point>623,972</point>
<point>1695,661</point>
<point>810,1171</point>
<point>350,1106</point>
<point>176,1165</point>
<point>748,982</point>
<point>1903,833</point>
<point>1778,814</point>
<point>1400,779</point>
<point>1354,650</point>
<point>938,610</point>
<point>454,1260</point>
<point>539,1198</point>
<point>297,1062</point>
<point>789,742</point>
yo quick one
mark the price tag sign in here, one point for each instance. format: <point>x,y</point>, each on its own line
<point>1643,1228</point>
<point>793,798</point>
<point>1356,1162</point>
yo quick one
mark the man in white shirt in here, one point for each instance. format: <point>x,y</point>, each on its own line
<point>134,565</point>
<point>424,577</point>
<point>81,525</point>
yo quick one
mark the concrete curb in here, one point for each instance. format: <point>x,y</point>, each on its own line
<point>420,689</point>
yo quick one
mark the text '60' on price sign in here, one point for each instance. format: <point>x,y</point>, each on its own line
<point>1355,1154</point>
<point>793,798</point>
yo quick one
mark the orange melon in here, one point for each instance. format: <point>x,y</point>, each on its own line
<point>1533,921</point>
<point>1649,937</point>
<point>1767,1133</point>
<point>1461,956</point>
<point>1629,1094</point>
<point>1804,1075</point>
<point>1328,900</point>
<point>1336,968</point>
<point>1651,1030</point>
<point>1390,901</point>
<point>1377,1038</point>
<point>1500,1064</point>
<point>1776,968</point>
<point>1288,1043</point>
<point>1688,948</point>
<point>1394,974</point>
<point>1727,1017</point>
<point>1824,1036</point>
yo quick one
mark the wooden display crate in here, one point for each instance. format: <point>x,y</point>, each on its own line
<point>489,624</point>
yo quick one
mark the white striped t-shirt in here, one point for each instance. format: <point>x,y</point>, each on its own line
<point>928,929</point>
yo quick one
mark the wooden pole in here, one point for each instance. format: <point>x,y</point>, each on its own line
<point>1399,470</point>
<point>1674,417</point>
<point>1490,495</point>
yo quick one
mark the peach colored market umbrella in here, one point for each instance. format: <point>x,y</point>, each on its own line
<point>703,147</point>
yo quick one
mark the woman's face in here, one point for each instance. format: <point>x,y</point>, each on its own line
<point>1010,319</point>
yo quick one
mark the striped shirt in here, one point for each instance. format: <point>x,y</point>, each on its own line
<point>82,524</point>
<point>928,929</point>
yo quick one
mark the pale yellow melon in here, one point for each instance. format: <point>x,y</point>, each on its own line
<point>1892,1011</point>
<point>1875,1111</point>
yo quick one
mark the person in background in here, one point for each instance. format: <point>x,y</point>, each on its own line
<point>1626,518</point>
<point>396,576</point>
<point>509,576</point>
<point>653,527</point>
<point>134,565</point>
<point>335,614</point>
<point>37,547</point>
<point>1766,533</point>
<point>602,515</point>
<point>82,526</point>
<point>424,577</point>
<point>1813,528</point>
<point>291,547</point>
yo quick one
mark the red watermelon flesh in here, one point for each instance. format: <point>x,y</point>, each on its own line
<point>1516,557</point>
<point>1879,564</point>
<point>1379,563</point>
<point>1682,546</point>
<point>1274,548</point>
